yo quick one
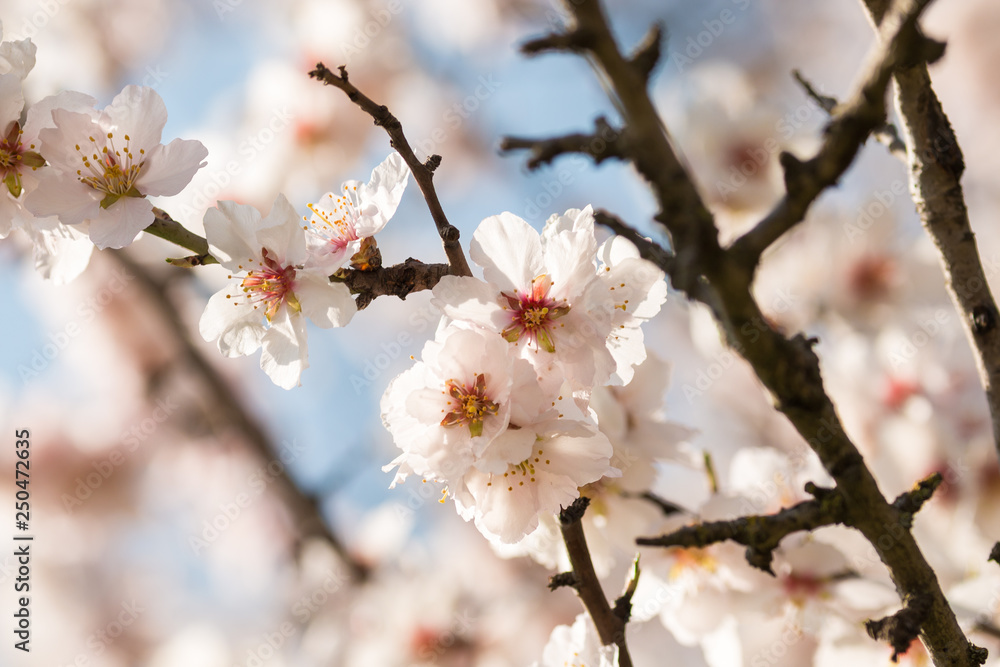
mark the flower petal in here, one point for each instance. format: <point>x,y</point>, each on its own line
<point>284,354</point>
<point>379,199</point>
<point>139,112</point>
<point>509,251</point>
<point>168,169</point>
<point>326,304</point>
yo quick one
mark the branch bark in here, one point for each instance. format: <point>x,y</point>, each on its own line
<point>936,165</point>
<point>423,172</point>
<point>849,128</point>
<point>610,626</point>
<point>788,367</point>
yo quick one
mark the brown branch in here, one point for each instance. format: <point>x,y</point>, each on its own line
<point>788,367</point>
<point>849,127</point>
<point>901,628</point>
<point>423,172</point>
<point>303,507</point>
<point>605,142</point>
<point>760,534</point>
<point>397,280</point>
<point>610,626</point>
<point>936,166</point>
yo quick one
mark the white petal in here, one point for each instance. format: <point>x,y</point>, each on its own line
<point>470,300</point>
<point>231,231</point>
<point>62,196</point>
<point>380,197</point>
<point>509,251</point>
<point>17,58</point>
<point>168,169</point>
<point>235,323</point>
<point>119,224</point>
<point>61,253</point>
<point>326,304</point>
<point>11,100</point>
<point>40,113</point>
<point>281,233</point>
<point>139,112</point>
<point>284,354</point>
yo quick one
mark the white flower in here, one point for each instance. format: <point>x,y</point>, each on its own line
<point>545,294</point>
<point>269,285</point>
<point>61,252</point>
<point>578,646</point>
<point>103,165</point>
<point>530,470</point>
<point>449,406</point>
<point>340,224</point>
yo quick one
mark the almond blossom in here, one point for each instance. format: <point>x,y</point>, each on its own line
<point>103,165</point>
<point>268,284</point>
<point>578,646</point>
<point>451,404</point>
<point>532,470</point>
<point>545,294</point>
<point>343,226</point>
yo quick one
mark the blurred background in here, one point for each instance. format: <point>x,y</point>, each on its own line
<point>188,512</point>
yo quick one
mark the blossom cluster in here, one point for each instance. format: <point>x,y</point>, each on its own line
<point>508,408</point>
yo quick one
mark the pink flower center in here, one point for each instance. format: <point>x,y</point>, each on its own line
<point>335,219</point>
<point>113,171</point>
<point>533,315</point>
<point>470,405</point>
<point>14,157</point>
<point>269,285</point>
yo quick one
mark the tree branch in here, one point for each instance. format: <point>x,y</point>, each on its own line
<point>605,142</point>
<point>788,367</point>
<point>423,172</point>
<point>936,166</point>
<point>850,125</point>
<point>303,507</point>
<point>397,280</point>
<point>610,626</point>
<point>760,534</point>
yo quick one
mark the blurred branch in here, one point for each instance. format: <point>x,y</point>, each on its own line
<point>936,166</point>
<point>604,143</point>
<point>788,367</point>
<point>849,127</point>
<point>303,507</point>
<point>423,172</point>
<point>760,534</point>
<point>886,133</point>
<point>610,626</point>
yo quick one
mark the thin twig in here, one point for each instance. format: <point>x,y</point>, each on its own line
<point>610,626</point>
<point>849,128</point>
<point>760,534</point>
<point>423,172</point>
